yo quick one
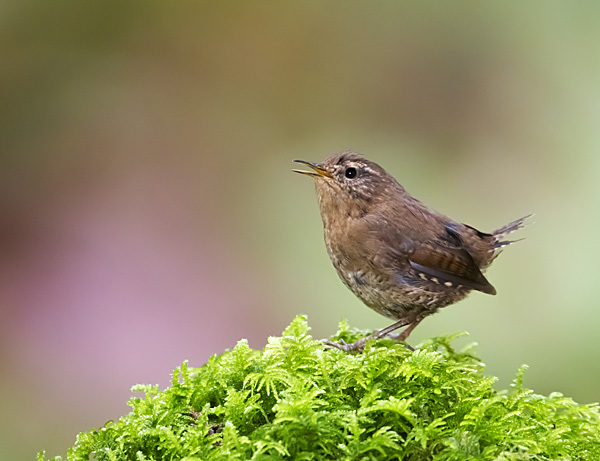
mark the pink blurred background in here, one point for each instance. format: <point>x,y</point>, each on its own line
<point>148,214</point>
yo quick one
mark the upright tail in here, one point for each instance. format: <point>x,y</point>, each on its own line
<point>500,234</point>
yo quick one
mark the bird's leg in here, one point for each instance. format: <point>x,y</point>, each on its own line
<point>407,331</point>
<point>393,327</point>
<point>401,337</point>
<point>360,344</point>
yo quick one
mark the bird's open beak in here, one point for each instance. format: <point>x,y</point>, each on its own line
<point>319,170</point>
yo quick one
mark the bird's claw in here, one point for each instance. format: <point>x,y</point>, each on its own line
<point>360,344</point>
<point>344,346</point>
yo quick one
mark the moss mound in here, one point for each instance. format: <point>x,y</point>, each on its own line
<point>297,400</point>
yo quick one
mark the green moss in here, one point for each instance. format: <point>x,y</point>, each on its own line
<point>298,400</point>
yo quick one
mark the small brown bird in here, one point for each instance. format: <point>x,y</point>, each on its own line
<point>400,258</point>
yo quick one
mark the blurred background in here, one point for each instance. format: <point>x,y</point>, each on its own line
<point>148,214</point>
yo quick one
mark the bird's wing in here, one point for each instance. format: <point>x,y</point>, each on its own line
<point>447,264</point>
<point>443,257</point>
<point>448,258</point>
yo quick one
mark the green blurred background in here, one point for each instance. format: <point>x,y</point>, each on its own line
<point>149,214</point>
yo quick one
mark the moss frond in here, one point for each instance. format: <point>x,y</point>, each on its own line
<point>297,400</point>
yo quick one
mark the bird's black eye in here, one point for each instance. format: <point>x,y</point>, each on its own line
<point>350,172</point>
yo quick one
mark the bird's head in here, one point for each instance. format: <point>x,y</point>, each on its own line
<point>350,183</point>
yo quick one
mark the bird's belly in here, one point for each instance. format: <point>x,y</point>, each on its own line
<point>383,289</point>
<point>395,299</point>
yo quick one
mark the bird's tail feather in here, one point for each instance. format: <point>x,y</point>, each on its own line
<point>500,234</point>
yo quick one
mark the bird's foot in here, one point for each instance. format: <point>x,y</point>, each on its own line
<point>384,333</point>
<point>360,344</point>
<point>343,346</point>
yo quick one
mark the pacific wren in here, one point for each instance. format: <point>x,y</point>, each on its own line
<point>402,259</point>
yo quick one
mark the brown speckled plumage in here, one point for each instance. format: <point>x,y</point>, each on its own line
<point>400,258</point>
